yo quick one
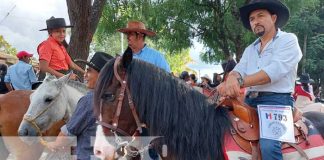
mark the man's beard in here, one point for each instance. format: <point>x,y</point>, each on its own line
<point>259,33</point>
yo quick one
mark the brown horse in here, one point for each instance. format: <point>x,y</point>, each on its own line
<point>13,106</point>
<point>133,97</point>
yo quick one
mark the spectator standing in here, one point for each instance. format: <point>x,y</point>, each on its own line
<point>21,76</point>
<point>3,72</point>
<point>82,124</point>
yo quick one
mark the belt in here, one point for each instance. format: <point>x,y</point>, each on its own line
<point>254,94</point>
<point>63,71</point>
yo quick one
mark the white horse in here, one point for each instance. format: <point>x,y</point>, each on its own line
<point>306,105</point>
<point>53,101</point>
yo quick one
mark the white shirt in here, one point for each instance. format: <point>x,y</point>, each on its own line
<point>279,60</point>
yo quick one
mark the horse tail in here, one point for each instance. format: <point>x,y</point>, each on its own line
<point>317,118</point>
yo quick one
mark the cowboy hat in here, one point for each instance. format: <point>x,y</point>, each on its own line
<point>206,77</point>
<point>273,6</point>
<point>304,78</point>
<point>54,23</point>
<point>98,60</point>
<point>136,26</point>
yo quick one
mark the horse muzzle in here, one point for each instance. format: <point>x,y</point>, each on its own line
<point>27,133</point>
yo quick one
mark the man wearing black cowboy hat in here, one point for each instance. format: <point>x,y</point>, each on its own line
<point>268,66</point>
<point>53,57</point>
<point>82,124</point>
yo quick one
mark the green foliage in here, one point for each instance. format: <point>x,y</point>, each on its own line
<point>6,47</point>
<point>315,57</point>
<point>307,20</point>
<point>110,44</point>
<point>178,61</point>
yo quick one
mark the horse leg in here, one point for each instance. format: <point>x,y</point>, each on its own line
<point>4,153</point>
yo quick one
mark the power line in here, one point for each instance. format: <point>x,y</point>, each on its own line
<point>8,14</point>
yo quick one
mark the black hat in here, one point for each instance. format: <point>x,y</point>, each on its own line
<point>54,23</point>
<point>98,60</point>
<point>304,78</point>
<point>184,75</point>
<point>273,6</point>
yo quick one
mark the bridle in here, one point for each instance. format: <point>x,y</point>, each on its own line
<point>124,146</point>
<point>32,120</point>
<point>124,89</point>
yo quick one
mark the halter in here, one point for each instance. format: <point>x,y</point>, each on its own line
<point>32,120</point>
<point>124,88</point>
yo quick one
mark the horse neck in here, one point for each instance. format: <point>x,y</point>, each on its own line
<point>73,95</point>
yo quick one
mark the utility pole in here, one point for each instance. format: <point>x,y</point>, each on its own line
<point>304,54</point>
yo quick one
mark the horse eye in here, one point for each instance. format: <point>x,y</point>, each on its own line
<point>108,97</point>
<point>48,100</point>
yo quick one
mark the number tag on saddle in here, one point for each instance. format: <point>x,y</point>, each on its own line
<point>276,123</point>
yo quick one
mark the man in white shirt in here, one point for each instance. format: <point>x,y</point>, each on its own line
<point>268,67</point>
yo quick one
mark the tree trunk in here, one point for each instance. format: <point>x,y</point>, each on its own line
<point>84,17</point>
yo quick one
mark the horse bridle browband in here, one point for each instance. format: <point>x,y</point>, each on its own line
<point>124,88</point>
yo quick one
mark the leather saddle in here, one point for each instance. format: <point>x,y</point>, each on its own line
<point>245,127</point>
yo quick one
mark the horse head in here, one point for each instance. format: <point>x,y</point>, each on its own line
<point>113,92</point>
<point>133,97</point>
<point>54,100</point>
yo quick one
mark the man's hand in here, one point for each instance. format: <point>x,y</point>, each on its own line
<point>230,87</point>
<point>55,147</point>
<point>52,146</point>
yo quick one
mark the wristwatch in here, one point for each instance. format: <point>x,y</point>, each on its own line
<point>240,81</point>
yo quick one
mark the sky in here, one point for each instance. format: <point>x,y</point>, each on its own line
<point>21,20</point>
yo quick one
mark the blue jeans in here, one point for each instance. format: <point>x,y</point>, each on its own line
<point>270,149</point>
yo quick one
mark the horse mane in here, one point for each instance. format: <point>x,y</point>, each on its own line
<point>192,128</point>
<point>77,85</point>
<point>317,118</point>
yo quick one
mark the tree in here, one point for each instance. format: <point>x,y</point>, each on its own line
<point>84,16</point>
<point>6,47</point>
<point>307,22</point>
<point>178,61</point>
<point>213,23</point>
<point>110,44</point>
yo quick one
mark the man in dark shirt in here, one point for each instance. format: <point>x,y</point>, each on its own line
<point>3,72</point>
<point>82,124</point>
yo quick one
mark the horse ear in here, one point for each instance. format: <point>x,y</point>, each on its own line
<point>127,57</point>
<point>61,81</point>
<point>49,77</point>
<point>65,78</point>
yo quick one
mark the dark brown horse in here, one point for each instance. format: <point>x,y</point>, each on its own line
<point>13,106</point>
<point>132,96</point>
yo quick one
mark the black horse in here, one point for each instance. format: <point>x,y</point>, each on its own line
<point>190,125</point>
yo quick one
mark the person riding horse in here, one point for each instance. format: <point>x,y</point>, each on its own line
<point>268,67</point>
<point>53,57</point>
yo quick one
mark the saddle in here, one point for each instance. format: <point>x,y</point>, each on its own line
<point>245,128</point>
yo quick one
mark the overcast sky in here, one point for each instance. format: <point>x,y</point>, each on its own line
<point>21,20</point>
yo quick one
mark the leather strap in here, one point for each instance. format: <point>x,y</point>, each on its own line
<point>122,79</point>
<point>255,150</point>
<point>300,150</point>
